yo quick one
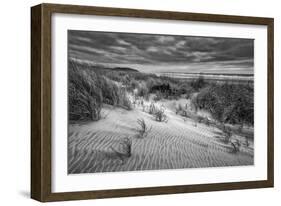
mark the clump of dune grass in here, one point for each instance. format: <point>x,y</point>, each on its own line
<point>206,121</point>
<point>143,91</point>
<point>89,89</point>
<point>179,109</point>
<point>183,111</point>
<point>151,108</point>
<point>110,91</point>
<point>134,101</point>
<point>124,100</point>
<point>235,146</point>
<point>159,115</point>
<point>84,96</point>
<point>227,134</point>
<point>114,94</point>
<point>143,129</point>
<point>125,149</point>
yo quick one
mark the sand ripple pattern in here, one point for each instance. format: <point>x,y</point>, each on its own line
<point>174,145</point>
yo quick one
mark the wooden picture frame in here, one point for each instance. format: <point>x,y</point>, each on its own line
<point>41,115</point>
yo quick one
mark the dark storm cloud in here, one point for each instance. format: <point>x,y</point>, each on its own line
<point>144,49</point>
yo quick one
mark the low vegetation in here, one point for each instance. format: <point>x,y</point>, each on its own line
<point>235,146</point>
<point>227,134</point>
<point>157,112</point>
<point>228,103</point>
<point>85,96</point>
<point>183,111</point>
<point>124,150</point>
<point>143,129</point>
<point>159,115</point>
<point>89,89</point>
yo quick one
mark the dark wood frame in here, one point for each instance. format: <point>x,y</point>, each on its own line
<point>41,101</point>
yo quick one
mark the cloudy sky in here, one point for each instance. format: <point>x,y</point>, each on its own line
<point>163,53</point>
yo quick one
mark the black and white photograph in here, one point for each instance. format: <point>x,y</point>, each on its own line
<point>139,102</point>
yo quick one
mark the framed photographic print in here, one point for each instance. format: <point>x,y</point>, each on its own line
<point>130,102</point>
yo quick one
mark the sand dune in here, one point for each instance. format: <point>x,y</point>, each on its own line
<point>179,143</point>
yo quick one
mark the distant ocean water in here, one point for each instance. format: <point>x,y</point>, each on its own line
<point>209,76</point>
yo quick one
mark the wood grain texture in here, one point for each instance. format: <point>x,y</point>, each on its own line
<point>138,13</point>
<point>36,149</point>
<point>41,101</point>
<point>270,102</point>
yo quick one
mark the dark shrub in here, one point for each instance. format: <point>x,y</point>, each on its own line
<point>163,88</point>
<point>228,103</point>
<point>158,96</point>
<point>133,84</point>
<point>186,89</point>
<point>143,91</point>
<point>198,83</point>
